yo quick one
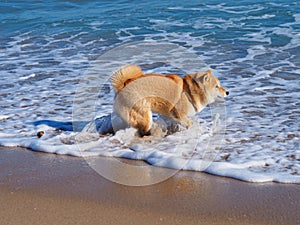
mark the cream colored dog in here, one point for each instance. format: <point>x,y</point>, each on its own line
<point>176,98</point>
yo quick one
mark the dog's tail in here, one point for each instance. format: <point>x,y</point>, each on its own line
<point>124,75</point>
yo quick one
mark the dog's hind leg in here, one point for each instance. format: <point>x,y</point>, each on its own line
<point>141,119</point>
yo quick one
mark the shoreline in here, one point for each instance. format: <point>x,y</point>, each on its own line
<point>41,188</point>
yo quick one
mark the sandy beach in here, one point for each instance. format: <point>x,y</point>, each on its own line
<point>39,188</point>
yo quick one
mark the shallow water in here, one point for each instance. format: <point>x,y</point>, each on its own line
<point>253,47</point>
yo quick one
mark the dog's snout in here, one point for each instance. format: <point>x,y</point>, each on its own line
<point>227,92</point>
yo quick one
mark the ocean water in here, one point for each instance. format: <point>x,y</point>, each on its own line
<point>46,49</point>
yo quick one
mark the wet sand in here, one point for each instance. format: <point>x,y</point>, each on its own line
<point>40,188</point>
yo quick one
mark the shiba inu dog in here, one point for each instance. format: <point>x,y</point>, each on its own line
<point>138,95</point>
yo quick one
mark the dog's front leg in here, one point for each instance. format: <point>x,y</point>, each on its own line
<point>186,122</point>
<point>181,118</point>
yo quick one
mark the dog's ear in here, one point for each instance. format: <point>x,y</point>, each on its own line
<point>207,75</point>
<point>203,76</point>
<point>206,78</point>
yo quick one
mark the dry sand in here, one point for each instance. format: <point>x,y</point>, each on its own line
<point>39,188</point>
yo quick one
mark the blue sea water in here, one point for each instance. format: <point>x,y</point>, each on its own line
<point>253,46</point>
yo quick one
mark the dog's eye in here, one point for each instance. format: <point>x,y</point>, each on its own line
<point>217,86</point>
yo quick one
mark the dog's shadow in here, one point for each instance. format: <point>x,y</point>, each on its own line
<point>58,125</point>
<point>101,125</point>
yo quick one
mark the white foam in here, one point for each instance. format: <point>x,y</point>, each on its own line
<point>28,77</point>
<point>172,152</point>
<point>241,9</point>
<point>242,172</point>
<point>3,117</point>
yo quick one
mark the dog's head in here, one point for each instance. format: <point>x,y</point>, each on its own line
<point>211,85</point>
